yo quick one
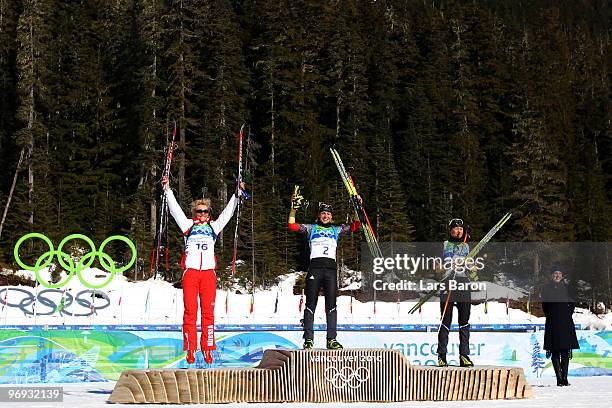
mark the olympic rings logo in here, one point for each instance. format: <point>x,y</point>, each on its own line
<point>347,376</point>
<point>30,301</point>
<point>324,234</point>
<point>69,264</point>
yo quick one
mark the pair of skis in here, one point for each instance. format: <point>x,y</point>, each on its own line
<point>472,254</point>
<point>163,213</point>
<point>371,238</point>
<point>242,195</point>
<point>366,226</point>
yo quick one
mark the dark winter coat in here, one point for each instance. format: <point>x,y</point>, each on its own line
<point>558,306</point>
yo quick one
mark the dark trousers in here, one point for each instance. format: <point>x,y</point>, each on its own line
<point>322,273</point>
<point>464,326</point>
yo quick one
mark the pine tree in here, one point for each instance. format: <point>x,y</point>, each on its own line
<point>8,48</point>
<point>181,33</point>
<point>9,155</point>
<point>466,158</point>
<point>391,218</point>
<point>539,178</point>
<point>225,91</point>
<point>589,203</point>
<point>153,129</point>
<point>347,60</point>
<point>438,109</point>
<point>284,72</point>
<point>539,168</point>
<point>429,126</point>
<point>33,38</point>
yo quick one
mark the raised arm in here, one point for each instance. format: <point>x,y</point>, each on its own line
<point>226,215</point>
<point>177,213</point>
<point>293,226</point>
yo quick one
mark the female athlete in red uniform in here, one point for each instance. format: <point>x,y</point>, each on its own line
<point>199,264</point>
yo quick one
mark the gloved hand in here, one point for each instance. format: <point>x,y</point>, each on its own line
<point>241,190</point>
<point>473,274</point>
<point>296,198</point>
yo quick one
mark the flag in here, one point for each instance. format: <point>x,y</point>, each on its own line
<point>92,306</point>
<point>35,300</point>
<point>374,306</point>
<point>252,306</point>
<point>508,303</point>
<point>528,302</point>
<point>147,300</point>
<point>60,306</point>
<point>4,301</point>
<point>486,302</point>
<point>226,301</point>
<point>421,310</point>
<point>301,301</point>
<point>276,303</point>
<point>351,304</point>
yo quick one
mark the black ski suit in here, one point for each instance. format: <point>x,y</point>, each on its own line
<point>322,272</point>
<point>459,299</point>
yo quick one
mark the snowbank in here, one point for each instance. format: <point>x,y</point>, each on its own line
<point>158,302</point>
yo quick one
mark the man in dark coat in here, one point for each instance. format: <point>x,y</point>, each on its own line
<point>560,332</point>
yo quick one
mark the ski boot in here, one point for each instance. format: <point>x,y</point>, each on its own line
<point>442,360</point>
<point>464,361</point>
<point>332,344</point>
<point>308,344</point>
<point>190,356</point>
<point>208,356</point>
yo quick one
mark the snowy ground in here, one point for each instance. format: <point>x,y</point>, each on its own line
<point>157,302</point>
<point>584,392</point>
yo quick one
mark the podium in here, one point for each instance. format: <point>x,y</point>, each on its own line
<point>349,375</point>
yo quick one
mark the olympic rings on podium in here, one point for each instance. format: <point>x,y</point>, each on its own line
<point>68,263</point>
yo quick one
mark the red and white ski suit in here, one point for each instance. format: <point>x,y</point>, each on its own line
<point>199,277</point>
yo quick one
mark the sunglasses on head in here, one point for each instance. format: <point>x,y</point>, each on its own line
<point>204,211</point>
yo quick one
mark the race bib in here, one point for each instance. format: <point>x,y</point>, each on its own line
<point>324,249</point>
<point>323,242</point>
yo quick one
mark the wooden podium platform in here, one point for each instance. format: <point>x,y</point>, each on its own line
<point>348,375</point>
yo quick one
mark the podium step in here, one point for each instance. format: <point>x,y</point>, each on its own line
<point>348,375</point>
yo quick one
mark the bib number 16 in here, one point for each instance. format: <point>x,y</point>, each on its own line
<point>202,247</point>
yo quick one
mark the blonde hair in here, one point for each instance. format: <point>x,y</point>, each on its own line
<point>201,201</point>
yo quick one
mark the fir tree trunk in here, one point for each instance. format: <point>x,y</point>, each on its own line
<point>272,129</point>
<point>10,196</point>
